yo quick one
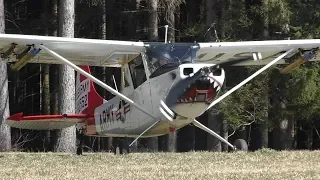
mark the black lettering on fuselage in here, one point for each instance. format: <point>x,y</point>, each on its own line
<point>110,116</point>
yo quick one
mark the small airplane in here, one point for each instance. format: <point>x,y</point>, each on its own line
<point>163,86</point>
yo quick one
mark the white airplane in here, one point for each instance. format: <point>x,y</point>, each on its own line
<point>164,86</point>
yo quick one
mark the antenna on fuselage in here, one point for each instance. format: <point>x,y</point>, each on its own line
<point>166,34</point>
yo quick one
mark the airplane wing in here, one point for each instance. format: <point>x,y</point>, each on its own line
<point>265,51</point>
<point>45,122</point>
<point>92,52</point>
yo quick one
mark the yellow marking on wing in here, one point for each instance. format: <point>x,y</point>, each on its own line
<point>122,60</point>
<point>297,63</point>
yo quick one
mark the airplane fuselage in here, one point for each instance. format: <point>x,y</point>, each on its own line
<point>117,118</point>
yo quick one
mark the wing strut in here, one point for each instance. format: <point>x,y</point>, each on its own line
<point>89,76</point>
<point>206,129</point>
<point>203,127</point>
<point>143,133</point>
<point>248,79</point>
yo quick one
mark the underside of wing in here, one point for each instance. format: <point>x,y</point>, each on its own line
<point>93,52</point>
<point>255,52</point>
<point>45,122</point>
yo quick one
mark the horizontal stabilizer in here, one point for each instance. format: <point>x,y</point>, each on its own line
<point>45,122</point>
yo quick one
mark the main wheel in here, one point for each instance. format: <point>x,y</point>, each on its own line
<point>241,145</point>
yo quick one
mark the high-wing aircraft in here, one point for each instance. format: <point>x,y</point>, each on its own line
<point>164,86</point>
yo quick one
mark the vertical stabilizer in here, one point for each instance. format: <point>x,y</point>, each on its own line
<point>87,98</point>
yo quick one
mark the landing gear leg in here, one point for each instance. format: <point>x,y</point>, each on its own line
<point>239,144</point>
<point>121,146</point>
<point>80,146</point>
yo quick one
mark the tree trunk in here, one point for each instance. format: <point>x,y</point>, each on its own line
<point>192,12</point>
<point>214,120</point>
<point>214,123</point>
<point>132,20</point>
<point>5,135</point>
<point>171,23</point>
<point>265,35</point>
<point>153,20</point>
<point>103,30</point>
<point>222,14</point>
<point>265,20</point>
<point>264,135</point>
<point>110,18</point>
<point>283,135</point>
<point>45,77</point>
<point>54,68</point>
<point>309,132</point>
<point>264,125</point>
<point>46,100</point>
<point>152,142</point>
<point>286,134</point>
<point>224,126</point>
<point>172,136</point>
<point>66,141</point>
<point>210,18</point>
<point>210,12</point>
<point>110,35</point>
<point>104,20</point>
<point>225,134</point>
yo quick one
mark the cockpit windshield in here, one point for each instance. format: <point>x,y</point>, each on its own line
<point>162,57</point>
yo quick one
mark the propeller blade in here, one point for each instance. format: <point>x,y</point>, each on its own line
<point>179,88</point>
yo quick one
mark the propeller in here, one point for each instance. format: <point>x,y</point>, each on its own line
<point>180,87</point>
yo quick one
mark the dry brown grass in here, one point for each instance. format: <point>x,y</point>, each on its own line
<point>265,164</point>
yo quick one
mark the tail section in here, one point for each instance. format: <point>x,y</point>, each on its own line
<point>87,98</point>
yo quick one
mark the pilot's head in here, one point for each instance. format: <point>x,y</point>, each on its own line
<point>165,58</point>
<point>163,61</point>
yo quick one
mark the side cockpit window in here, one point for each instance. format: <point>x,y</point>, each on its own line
<point>137,71</point>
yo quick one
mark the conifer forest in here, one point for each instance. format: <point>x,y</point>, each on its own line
<point>276,111</point>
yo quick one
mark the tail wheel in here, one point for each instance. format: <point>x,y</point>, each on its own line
<point>80,146</point>
<point>241,145</point>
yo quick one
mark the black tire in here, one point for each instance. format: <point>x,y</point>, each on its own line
<point>79,151</point>
<point>80,145</point>
<point>241,145</point>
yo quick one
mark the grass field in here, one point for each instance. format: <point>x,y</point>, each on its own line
<point>264,164</point>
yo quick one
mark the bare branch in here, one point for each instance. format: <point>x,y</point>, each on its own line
<point>246,124</point>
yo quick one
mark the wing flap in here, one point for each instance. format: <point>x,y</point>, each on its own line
<point>80,51</point>
<point>45,122</point>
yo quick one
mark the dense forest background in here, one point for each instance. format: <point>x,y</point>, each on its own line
<point>272,111</point>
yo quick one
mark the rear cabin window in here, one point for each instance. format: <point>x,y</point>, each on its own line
<point>137,71</point>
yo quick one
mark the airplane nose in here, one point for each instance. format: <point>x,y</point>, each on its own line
<point>195,89</point>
